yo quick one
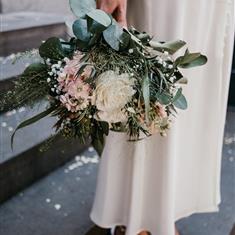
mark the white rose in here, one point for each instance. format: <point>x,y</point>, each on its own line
<point>113,91</point>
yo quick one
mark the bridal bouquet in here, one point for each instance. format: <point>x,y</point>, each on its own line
<point>107,78</point>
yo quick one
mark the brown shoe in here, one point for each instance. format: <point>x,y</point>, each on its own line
<point>95,230</point>
<point>120,230</point>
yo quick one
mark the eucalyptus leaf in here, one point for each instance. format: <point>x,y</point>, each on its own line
<point>177,95</point>
<point>94,27</point>
<point>164,98</point>
<point>171,46</point>
<point>116,37</point>
<point>181,102</point>
<point>192,60</point>
<point>80,30</point>
<point>81,7</point>
<point>100,17</point>
<point>52,49</point>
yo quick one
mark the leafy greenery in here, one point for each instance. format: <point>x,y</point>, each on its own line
<point>81,7</point>
<point>52,49</point>
<point>101,45</point>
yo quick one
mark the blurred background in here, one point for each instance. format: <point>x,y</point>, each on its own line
<point>51,192</point>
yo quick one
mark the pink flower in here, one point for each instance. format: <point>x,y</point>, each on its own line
<point>86,72</point>
<point>78,89</point>
<point>161,110</point>
<point>72,66</point>
<point>77,96</point>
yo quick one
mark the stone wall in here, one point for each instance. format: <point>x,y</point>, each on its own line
<point>56,6</point>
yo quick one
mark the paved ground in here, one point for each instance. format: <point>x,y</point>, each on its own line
<point>60,203</point>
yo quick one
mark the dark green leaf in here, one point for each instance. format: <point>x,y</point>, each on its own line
<point>52,48</point>
<point>94,27</point>
<point>189,60</point>
<point>34,68</point>
<point>105,127</point>
<point>31,121</point>
<point>80,30</point>
<point>171,46</point>
<point>164,98</point>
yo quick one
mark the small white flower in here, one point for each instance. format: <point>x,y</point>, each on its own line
<point>160,60</point>
<point>164,64</point>
<point>131,51</point>
<point>48,79</point>
<point>53,89</point>
<point>50,73</point>
<point>22,109</point>
<point>48,61</point>
<point>77,158</point>
<point>131,110</point>
<point>166,52</point>
<point>170,66</point>
<point>90,149</point>
<point>12,56</point>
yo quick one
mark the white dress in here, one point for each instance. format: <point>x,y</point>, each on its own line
<point>150,184</point>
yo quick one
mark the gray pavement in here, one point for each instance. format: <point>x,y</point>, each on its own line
<point>60,203</point>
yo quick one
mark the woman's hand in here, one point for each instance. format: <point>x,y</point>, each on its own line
<point>117,8</point>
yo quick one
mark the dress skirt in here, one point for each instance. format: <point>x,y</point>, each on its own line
<point>149,184</point>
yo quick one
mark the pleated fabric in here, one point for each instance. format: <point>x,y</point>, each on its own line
<point>148,185</point>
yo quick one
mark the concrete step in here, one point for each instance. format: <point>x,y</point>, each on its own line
<point>26,163</point>
<point>10,72</point>
<point>22,31</point>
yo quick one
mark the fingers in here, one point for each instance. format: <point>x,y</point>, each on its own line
<point>120,15</point>
<point>117,8</point>
<point>108,6</point>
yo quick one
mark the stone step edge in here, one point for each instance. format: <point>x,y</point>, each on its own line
<point>24,169</point>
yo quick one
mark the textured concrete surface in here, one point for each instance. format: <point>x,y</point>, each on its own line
<point>27,137</point>
<point>25,19</point>
<point>60,203</point>
<point>58,6</point>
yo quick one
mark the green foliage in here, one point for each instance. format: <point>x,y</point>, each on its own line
<point>171,46</point>
<point>107,46</point>
<point>190,60</point>
<point>31,121</point>
<point>52,49</point>
<point>164,98</point>
<point>100,17</point>
<point>99,130</point>
<point>181,102</point>
<point>81,7</point>
<point>80,30</point>
<point>116,37</point>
